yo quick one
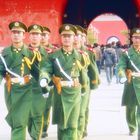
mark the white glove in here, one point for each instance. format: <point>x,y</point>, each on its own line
<point>83,94</point>
<point>136,74</point>
<point>43,82</point>
<point>21,80</point>
<point>123,80</point>
<point>46,95</point>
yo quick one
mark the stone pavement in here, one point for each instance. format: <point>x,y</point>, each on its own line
<point>106,120</point>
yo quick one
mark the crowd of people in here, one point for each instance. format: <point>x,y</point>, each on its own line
<point>107,58</point>
<point>40,76</point>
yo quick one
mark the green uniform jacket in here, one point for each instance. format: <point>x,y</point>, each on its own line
<point>131,93</point>
<point>92,70</point>
<point>18,100</point>
<point>38,101</point>
<point>66,106</point>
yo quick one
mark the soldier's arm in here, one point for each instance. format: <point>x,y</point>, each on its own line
<point>121,68</point>
<point>93,72</point>
<point>46,70</point>
<point>93,76</point>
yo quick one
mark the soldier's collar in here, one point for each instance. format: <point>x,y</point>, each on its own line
<point>34,48</point>
<point>67,52</point>
<point>17,50</point>
<point>137,48</point>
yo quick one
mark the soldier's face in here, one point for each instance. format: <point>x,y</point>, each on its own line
<point>35,37</point>
<point>45,38</point>
<point>77,41</point>
<point>17,36</point>
<point>84,39</point>
<point>67,39</point>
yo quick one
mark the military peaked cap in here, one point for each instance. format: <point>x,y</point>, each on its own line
<point>67,29</point>
<point>135,32</point>
<point>35,28</point>
<point>46,29</point>
<point>17,25</point>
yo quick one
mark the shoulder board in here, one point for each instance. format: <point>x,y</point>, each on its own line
<point>81,51</point>
<point>6,50</point>
<point>91,49</point>
<point>124,50</point>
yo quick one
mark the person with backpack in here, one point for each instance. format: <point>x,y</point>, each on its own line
<point>109,60</point>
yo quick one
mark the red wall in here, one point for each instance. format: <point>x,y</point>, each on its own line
<point>110,28</point>
<point>47,13</point>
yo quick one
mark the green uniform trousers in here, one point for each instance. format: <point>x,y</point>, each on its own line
<point>131,118</point>
<point>35,122</point>
<point>47,112</point>
<point>18,103</point>
<point>86,116</point>
<point>67,134</point>
<point>82,115</point>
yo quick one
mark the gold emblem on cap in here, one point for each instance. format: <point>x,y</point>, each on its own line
<point>16,23</point>
<point>138,31</point>
<point>35,26</point>
<point>67,27</point>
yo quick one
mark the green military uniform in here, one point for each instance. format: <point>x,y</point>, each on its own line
<point>18,95</point>
<point>38,101</point>
<point>131,96</point>
<point>18,100</point>
<point>49,49</point>
<point>66,105</point>
<point>91,80</point>
<point>67,96</point>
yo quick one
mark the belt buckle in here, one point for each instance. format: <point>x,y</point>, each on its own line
<point>70,83</point>
<point>21,80</point>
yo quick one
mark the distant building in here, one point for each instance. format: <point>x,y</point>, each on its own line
<point>108,28</point>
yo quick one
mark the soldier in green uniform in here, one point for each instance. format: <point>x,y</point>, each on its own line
<point>129,73</point>
<point>92,70</point>
<point>38,101</point>
<point>49,49</point>
<point>93,74</point>
<point>14,69</point>
<point>45,42</point>
<point>64,68</point>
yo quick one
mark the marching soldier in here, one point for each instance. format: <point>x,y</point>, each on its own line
<point>15,70</point>
<point>38,101</point>
<point>64,67</point>
<point>45,42</point>
<point>49,49</point>
<point>92,80</point>
<point>129,73</point>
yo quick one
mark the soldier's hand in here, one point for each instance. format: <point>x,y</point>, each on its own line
<point>83,94</point>
<point>43,82</point>
<point>45,95</point>
<point>136,74</point>
<point>123,80</point>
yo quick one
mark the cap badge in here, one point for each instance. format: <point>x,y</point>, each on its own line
<point>35,26</point>
<point>67,27</point>
<point>138,31</point>
<point>17,24</point>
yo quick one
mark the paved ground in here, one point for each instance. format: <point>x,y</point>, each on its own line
<point>107,117</point>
